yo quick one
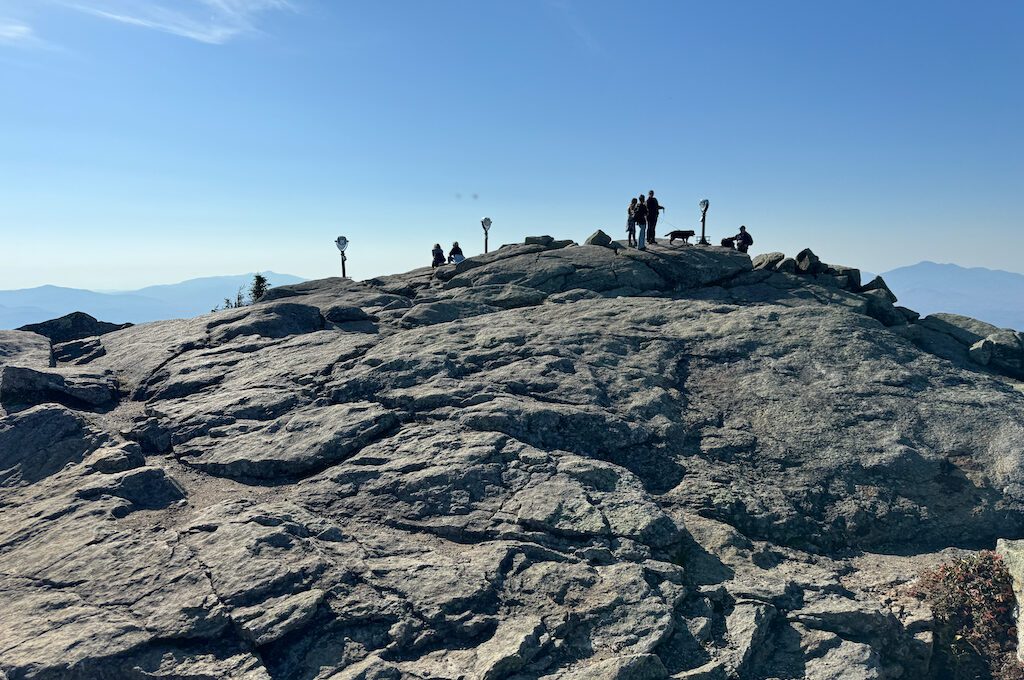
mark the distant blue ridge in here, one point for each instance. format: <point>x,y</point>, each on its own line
<point>152,303</point>
<point>990,295</point>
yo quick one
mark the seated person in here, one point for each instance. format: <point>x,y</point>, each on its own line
<point>438,256</point>
<point>455,254</point>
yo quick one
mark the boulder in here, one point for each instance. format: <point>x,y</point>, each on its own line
<point>768,260</point>
<point>850,274</point>
<point>24,387</point>
<point>908,314</point>
<point>20,348</point>
<point>748,627</point>
<point>786,266</point>
<point>538,240</point>
<point>808,263</point>
<point>599,238</point>
<point>73,326</point>
<point>880,307</point>
<point>963,329</point>
<point>1007,352</point>
<point>39,442</point>
<point>981,352</point>
<point>1000,349</point>
<point>878,283</point>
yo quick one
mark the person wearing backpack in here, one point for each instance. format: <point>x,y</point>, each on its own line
<point>743,240</point>
<point>640,216</point>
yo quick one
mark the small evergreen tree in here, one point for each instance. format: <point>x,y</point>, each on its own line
<point>258,288</point>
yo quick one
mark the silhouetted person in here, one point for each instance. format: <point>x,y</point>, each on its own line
<point>438,254</point>
<point>640,215</point>
<point>743,240</point>
<point>652,215</point>
<point>455,254</point>
<point>631,224</point>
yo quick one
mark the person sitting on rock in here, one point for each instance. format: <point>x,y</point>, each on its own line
<point>455,254</point>
<point>631,224</point>
<point>743,240</point>
<point>438,254</point>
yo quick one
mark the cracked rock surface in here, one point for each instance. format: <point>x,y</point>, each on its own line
<point>551,461</point>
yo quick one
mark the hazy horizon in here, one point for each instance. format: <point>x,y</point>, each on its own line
<point>173,282</point>
<point>148,141</point>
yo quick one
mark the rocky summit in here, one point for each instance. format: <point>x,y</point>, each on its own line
<point>551,461</point>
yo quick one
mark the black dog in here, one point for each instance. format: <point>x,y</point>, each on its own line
<point>683,234</point>
<point>729,242</point>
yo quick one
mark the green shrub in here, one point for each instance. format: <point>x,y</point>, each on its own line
<point>972,601</point>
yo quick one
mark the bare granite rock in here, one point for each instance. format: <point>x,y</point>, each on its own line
<point>20,348</point>
<point>551,461</point>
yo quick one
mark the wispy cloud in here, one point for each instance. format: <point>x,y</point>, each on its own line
<point>18,34</point>
<point>209,21</point>
<point>576,25</point>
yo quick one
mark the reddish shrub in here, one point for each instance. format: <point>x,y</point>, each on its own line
<point>973,604</point>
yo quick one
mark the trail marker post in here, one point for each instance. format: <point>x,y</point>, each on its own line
<point>486,224</point>
<point>342,244</point>
<point>703,216</point>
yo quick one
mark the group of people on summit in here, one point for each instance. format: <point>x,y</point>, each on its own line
<point>641,229</point>
<point>642,222</point>
<point>642,218</point>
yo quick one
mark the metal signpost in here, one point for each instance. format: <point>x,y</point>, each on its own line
<point>486,224</point>
<point>703,215</point>
<point>342,244</point>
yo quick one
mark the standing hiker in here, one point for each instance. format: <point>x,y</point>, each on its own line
<point>652,215</point>
<point>640,215</point>
<point>631,224</point>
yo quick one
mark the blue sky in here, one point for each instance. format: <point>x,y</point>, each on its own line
<point>149,141</point>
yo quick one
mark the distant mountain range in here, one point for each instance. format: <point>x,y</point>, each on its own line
<point>173,301</point>
<point>927,287</point>
<point>987,294</point>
